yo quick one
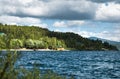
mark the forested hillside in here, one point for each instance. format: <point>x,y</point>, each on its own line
<point>115,43</point>
<point>13,36</point>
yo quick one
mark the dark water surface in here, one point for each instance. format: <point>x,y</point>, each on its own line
<point>79,64</point>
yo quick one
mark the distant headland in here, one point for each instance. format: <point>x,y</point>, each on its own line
<point>36,38</point>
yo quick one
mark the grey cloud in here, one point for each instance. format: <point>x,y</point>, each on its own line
<point>104,1</point>
<point>52,9</point>
<point>71,15</point>
<point>59,9</point>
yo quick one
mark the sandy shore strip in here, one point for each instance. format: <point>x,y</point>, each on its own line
<point>24,49</point>
<point>27,50</point>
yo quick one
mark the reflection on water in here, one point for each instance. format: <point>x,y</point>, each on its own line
<point>79,64</point>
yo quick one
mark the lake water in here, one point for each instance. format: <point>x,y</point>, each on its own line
<point>79,64</point>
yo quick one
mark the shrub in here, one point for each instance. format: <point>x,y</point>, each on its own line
<point>8,71</point>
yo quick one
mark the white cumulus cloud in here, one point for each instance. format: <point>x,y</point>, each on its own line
<point>68,23</point>
<point>114,36</point>
<point>21,21</point>
<point>110,13</point>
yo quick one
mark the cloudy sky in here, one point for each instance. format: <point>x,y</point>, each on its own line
<point>89,18</point>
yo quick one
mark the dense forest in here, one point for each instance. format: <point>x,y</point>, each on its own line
<point>33,37</point>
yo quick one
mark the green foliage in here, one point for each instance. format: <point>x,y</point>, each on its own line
<point>7,66</point>
<point>8,70</point>
<point>51,43</point>
<point>16,43</point>
<point>39,44</point>
<point>76,42</point>
<point>2,42</point>
<point>29,43</point>
<point>36,37</point>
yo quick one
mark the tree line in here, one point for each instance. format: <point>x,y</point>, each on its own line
<point>36,37</point>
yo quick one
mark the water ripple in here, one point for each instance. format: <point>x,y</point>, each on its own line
<point>79,64</point>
